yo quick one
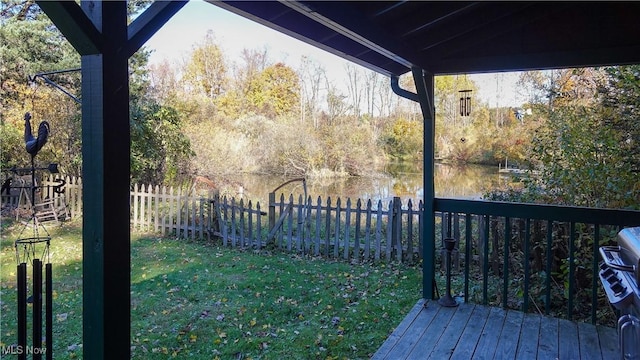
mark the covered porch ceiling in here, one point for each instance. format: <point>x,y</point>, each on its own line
<point>391,37</point>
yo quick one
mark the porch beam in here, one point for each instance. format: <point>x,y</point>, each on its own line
<point>149,22</point>
<point>424,82</point>
<point>74,24</point>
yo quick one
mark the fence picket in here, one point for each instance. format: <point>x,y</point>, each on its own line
<point>327,228</point>
<point>193,218</point>
<point>150,211</point>
<point>280,229</point>
<point>135,205</point>
<point>300,225</point>
<point>156,208</point>
<point>307,224</point>
<point>347,228</point>
<point>410,214</point>
<point>241,240</point>
<point>336,243</point>
<point>356,244</point>
<point>233,222</point>
<point>225,227</point>
<point>367,234</point>
<point>378,229</point>
<point>389,245</point>
<point>250,224</point>
<point>290,224</point>
<point>259,226</point>
<point>318,221</point>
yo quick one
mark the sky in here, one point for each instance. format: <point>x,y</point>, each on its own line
<point>233,33</point>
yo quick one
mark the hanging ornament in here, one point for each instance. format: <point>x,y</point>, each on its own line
<point>465,102</point>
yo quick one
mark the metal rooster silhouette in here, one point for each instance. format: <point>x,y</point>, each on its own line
<point>33,145</point>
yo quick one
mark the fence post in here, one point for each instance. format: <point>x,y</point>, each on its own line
<point>396,227</point>
<point>272,210</point>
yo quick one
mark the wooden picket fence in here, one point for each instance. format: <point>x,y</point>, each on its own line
<point>19,197</point>
<point>359,229</point>
<point>171,212</point>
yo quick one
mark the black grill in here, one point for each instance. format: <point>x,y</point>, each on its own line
<point>619,275</point>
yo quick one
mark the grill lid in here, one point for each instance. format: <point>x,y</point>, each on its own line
<point>625,256</point>
<point>629,242</point>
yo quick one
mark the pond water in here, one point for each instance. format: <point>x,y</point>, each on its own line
<point>402,180</point>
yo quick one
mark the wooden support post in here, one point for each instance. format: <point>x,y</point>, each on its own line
<point>98,31</point>
<point>105,149</point>
<point>424,87</point>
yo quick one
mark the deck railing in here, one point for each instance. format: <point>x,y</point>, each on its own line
<point>543,258</point>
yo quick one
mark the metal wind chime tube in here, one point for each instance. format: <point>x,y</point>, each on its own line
<point>22,309</point>
<point>49,309</point>
<point>37,307</point>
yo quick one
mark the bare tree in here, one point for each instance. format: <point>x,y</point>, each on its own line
<point>354,86</point>
<point>311,79</point>
<point>164,81</point>
<point>254,62</point>
<point>336,105</point>
<point>372,85</point>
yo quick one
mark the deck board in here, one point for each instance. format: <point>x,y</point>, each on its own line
<point>548,341</point>
<point>490,335</point>
<point>480,332</point>
<point>609,347</point>
<point>529,335</point>
<point>447,343</point>
<point>430,337</point>
<point>589,342</point>
<point>469,339</point>
<point>508,343</point>
<point>568,346</point>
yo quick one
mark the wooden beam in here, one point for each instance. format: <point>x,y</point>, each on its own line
<point>149,22</point>
<point>339,15</point>
<point>105,150</point>
<point>74,24</point>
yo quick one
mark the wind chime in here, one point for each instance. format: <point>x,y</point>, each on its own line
<point>465,102</point>
<point>34,249</point>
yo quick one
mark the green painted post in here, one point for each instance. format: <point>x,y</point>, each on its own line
<point>424,87</point>
<point>98,30</point>
<point>105,151</point>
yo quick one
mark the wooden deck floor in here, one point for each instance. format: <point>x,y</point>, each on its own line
<point>480,332</point>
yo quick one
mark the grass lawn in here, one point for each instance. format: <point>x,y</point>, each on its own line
<point>196,299</point>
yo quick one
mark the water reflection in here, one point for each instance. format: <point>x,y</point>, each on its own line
<point>402,180</point>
